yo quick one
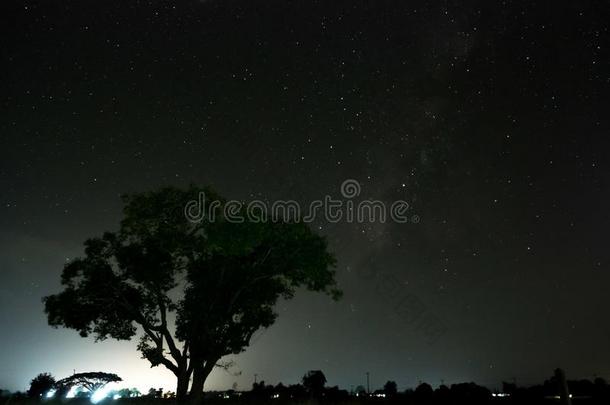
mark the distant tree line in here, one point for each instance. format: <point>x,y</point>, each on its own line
<point>313,388</point>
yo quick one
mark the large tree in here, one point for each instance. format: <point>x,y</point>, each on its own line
<point>192,291</point>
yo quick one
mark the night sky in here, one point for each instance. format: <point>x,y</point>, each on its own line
<point>490,118</point>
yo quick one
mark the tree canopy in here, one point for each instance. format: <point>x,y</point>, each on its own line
<point>390,388</point>
<point>91,381</point>
<point>193,292</point>
<point>41,384</point>
<point>314,381</point>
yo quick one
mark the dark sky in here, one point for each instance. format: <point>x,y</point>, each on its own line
<point>490,118</point>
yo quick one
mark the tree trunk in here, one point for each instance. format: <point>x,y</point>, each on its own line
<point>200,374</point>
<point>197,386</point>
<point>183,385</point>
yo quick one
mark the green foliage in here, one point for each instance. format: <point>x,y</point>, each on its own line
<point>238,287</point>
<point>219,279</point>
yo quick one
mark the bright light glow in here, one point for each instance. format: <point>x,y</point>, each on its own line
<point>72,393</point>
<point>116,396</point>
<point>50,394</point>
<point>276,396</point>
<point>100,394</point>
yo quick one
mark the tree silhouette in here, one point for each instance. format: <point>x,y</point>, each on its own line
<point>470,393</point>
<point>41,384</point>
<point>227,275</point>
<point>91,381</point>
<point>360,390</point>
<point>390,388</point>
<point>155,393</point>
<point>335,394</point>
<point>297,391</point>
<point>423,392</point>
<point>129,393</point>
<point>314,382</point>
